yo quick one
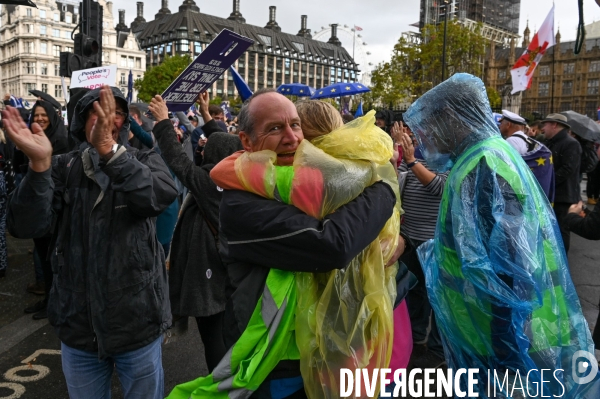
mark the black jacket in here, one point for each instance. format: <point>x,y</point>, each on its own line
<point>257,234</point>
<point>197,277</point>
<point>566,155</point>
<point>110,291</point>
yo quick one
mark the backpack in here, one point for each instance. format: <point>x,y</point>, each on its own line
<point>589,157</point>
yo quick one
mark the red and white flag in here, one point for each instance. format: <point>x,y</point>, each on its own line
<point>522,72</point>
<point>357,28</point>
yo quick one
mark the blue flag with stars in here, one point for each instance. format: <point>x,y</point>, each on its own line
<point>541,164</point>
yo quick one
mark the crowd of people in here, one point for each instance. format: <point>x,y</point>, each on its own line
<point>300,240</point>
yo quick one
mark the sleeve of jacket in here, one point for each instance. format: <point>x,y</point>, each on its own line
<point>571,155</point>
<point>141,134</point>
<point>145,179</point>
<point>36,201</point>
<point>176,158</point>
<point>275,235</point>
<point>587,227</point>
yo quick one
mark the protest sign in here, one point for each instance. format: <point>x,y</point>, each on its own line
<point>95,77</point>
<point>219,55</point>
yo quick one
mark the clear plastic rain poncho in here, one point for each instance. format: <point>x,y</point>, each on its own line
<point>496,271</point>
<point>344,318</point>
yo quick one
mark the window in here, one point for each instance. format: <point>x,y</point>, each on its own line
<point>29,12</point>
<point>502,74</point>
<point>29,86</point>
<point>44,87</point>
<point>545,70</point>
<point>197,47</point>
<point>565,106</point>
<point>44,48</point>
<point>29,28</point>
<point>123,81</point>
<point>43,29</point>
<point>55,33</point>
<point>543,89</point>
<point>29,68</point>
<point>543,108</point>
<point>44,69</point>
<point>56,69</point>
<point>58,91</point>
<point>105,57</point>
<point>130,62</point>
<point>590,109</point>
<point>29,47</point>
<point>138,63</point>
<point>592,87</point>
<point>69,49</point>
<point>594,66</point>
<point>183,46</point>
<point>123,61</point>
<point>66,34</point>
<point>569,68</point>
<point>567,88</point>
<point>56,18</point>
<point>68,18</point>
<point>56,50</point>
<point>43,14</point>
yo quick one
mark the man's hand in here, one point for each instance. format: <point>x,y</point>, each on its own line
<point>33,143</point>
<point>101,136</point>
<point>159,109</point>
<point>577,209</point>
<point>202,142</point>
<point>203,102</point>
<point>399,251</point>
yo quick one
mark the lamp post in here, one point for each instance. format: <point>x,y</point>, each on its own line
<point>445,33</point>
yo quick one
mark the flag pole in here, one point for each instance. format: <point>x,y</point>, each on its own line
<point>553,66</point>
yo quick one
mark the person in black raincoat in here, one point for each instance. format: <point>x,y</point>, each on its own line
<point>109,302</point>
<point>197,276</point>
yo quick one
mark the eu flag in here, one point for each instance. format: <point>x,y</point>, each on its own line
<point>541,164</point>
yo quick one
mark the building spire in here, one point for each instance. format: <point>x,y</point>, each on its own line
<point>526,35</point>
<point>164,10</point>
<point>236,15</point>
<point>272,24</point>
<point>189,5</point>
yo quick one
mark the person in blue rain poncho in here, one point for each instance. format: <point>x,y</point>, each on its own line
<point>496,271</point>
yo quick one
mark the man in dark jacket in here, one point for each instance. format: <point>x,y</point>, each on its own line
<point>109,301</point>
<point>566,155</point>
<point>257,234</point>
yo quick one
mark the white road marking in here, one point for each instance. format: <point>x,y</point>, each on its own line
<point>41,352</point>
<point>18,390</point>
<point>42,371</point>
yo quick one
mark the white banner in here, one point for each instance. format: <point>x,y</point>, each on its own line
<point>95,77</point>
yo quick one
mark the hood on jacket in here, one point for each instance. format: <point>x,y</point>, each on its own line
<point>77,126</point>
<point>56,128</point>
<point>221,146</point>
<point>450,118</point>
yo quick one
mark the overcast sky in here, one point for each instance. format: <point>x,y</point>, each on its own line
<point>383,21</point>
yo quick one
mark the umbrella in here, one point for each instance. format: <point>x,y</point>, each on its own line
<point>296,89</point>
<point>340,89</point>
<point>46,97</point>
<point>583,126</point>
<point>27,3</point>
<point>241,85</point>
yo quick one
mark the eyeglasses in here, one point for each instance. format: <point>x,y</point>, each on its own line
<point>120,114</point>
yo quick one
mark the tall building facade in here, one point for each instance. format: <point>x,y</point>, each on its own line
<point>500,18</point>
<point>274,58</point>
<point>31,40</point>
<point>562,81</point>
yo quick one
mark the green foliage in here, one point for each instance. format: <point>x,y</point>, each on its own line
<point>217,100</point>
<point>494,97</point>
<point>415,68</point>
<point>158,78</point>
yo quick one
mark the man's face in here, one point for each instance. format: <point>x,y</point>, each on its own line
<point>136,118</point>
<point>219,117</point>
<point>120,116</point>
<point>504,127</point>
<point>276,127</point>
<point>550,129</point>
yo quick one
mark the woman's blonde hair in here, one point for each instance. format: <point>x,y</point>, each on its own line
<point>318,118</point>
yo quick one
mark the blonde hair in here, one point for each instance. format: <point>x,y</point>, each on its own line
<point>318,118</point>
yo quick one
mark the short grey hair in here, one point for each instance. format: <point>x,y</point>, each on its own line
<point>245,120</point>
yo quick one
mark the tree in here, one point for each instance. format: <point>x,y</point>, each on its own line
<point>415,68</point>
<point>158,78</point>
<point>494,97</point>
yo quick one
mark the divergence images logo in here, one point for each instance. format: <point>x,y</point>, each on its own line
<point>580,366</point>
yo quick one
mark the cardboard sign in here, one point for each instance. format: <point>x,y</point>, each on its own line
<point>219,55</point>
<point>95,77</point>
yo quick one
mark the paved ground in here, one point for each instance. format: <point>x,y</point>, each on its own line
<point>30,363</point>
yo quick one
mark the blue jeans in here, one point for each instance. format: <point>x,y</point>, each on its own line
<point>140,372</point>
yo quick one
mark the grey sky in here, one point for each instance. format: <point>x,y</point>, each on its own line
<point>382,21</point>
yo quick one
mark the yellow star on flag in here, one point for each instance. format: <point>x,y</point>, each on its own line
<point>348,87</point>
<point>551,160</point>
<point>359,86</point>
<point>333,90</point>
<point>301,91</point>
<point>321,92</point>
<point>541,161</point>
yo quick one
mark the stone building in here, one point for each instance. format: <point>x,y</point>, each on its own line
<point>274,58</point>
<point>562,81</point>
<point>31,40</point>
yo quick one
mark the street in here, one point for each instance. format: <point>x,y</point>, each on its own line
<point>30,363</point>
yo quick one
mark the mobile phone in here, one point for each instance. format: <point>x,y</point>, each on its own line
<point>202,136</point>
